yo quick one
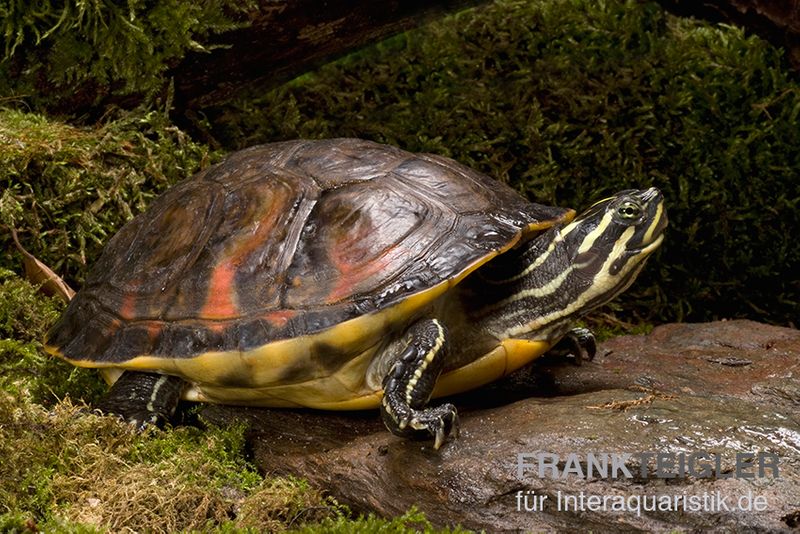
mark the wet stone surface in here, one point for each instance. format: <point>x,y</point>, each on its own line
<point>717,388</point>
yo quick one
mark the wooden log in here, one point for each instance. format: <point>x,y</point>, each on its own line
<point>286,38</point>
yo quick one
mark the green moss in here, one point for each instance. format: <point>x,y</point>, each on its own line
<point>604,326</point>
<point>65,471</point>
<point>25,315</point>
<point>412,521</point>
<point>16,524</point>
<point>101,47</point>
<point>571,100</point>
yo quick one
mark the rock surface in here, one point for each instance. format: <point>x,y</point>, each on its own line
<point>718,388</point>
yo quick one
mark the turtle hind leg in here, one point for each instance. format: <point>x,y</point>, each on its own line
<point>408,387</point>
<point>143,398</point>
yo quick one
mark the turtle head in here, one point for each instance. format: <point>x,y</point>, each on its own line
<point>569,270</point>
<point>608,244</point>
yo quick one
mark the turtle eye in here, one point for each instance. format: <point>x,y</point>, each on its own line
<point>629,211</point>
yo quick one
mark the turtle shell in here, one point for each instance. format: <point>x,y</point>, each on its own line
<point>283,241</point>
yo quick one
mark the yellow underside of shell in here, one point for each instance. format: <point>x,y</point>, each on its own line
<point>331,393</point>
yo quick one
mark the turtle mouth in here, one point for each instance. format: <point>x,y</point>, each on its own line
<point>650,247</point>
<point>654,232</point>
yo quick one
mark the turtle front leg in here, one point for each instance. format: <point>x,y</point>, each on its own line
<point>578,342</point>
<point>143,398</point>
<point>408,387</point>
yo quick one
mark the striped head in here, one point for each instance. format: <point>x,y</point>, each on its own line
<point>568,271</point>
<point>609,243</point>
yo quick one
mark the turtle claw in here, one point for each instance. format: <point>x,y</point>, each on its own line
<point>448,428</point>
<point>440,422</point>
<point>584,344</point>
<point>439,440</point>
<point>139,421</point>
<point>142,421</point>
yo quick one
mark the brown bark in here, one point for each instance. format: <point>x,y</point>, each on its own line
<point>778,21</point>
<point>289,37</point>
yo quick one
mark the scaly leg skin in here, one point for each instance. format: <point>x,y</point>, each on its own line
<point>143,399</point>
<point>408,387</point>
<point>579,343</point>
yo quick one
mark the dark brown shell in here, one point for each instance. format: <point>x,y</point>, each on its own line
<point>282,240</point>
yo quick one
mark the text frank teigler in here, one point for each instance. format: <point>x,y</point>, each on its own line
<point>641,467</point>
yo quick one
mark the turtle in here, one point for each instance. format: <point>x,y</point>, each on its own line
<point>343,274</point>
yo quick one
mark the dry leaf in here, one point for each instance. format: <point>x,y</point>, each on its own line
<point>38,273</point>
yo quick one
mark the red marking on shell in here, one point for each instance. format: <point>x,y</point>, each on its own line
<point>127,308</point>
<point>219,302</point>
<point>278,319</point>
<point>217,328</point>
<point>153,330</point>
<point>261,214</point>
<point>352,274</point>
